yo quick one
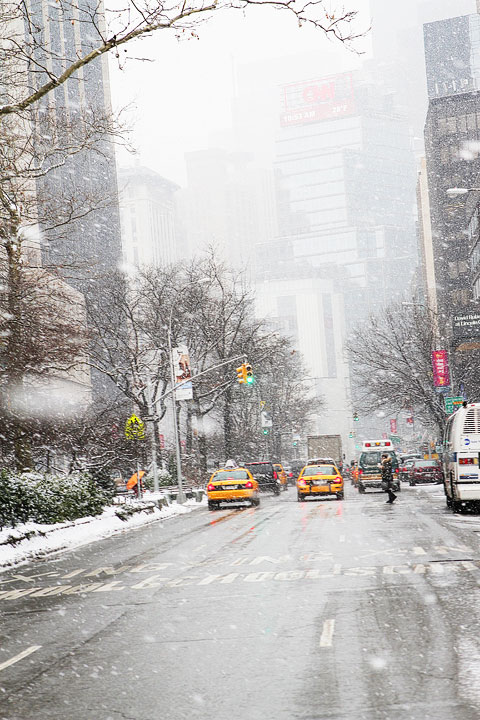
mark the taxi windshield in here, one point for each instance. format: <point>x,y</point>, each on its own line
<point>319,470</point>
<point>231,474</point>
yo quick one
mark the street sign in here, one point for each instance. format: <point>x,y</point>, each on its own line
<point>134,428</point>
<point>452,404</point>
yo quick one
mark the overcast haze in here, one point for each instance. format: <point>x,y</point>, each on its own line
<point>181,99</point>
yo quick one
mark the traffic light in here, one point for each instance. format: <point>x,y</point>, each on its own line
<point>242,374</point>
<point>265,431</point>
<point>295,443</point>
<point>248,373</point>
<point>355,417</point>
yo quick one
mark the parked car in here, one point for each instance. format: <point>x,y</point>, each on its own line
<point>288,472</point>
<point>265,474</point>
<point>281,475</point>
<point>425,471</point>
<point>232,485</point>
<point>297,467</point>
<point>404,469</point>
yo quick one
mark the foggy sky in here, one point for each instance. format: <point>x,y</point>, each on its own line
<point>182,100</point>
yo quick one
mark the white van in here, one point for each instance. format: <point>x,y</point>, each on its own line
<point>461,450</point>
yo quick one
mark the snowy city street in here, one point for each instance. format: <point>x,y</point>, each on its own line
<point>353,610</point>
<point>240,360</point>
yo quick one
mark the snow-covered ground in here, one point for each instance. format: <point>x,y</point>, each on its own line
<point>28,541</point>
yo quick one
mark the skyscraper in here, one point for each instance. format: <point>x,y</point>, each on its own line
<point>77,200</point>
<point>346,181</point>
<point>397,35</point>
<point>452,132</point>
<point>147,211</point>
<point>452,136</point>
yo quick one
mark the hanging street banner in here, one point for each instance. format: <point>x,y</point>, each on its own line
<point>393,426</point>
<point>441,372</point>
<point>134,428</point>
<point>452,404</point>
<point>182,371</point>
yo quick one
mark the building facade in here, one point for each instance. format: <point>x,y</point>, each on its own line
<point>452,134</point>
<point>228,205</point>
<point>452,142</point>
<point>77,199</point>
<point>310,310</point>
<point>147,217</point>
<point>345,180</point>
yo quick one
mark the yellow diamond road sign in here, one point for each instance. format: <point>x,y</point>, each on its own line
<point>134,428</point>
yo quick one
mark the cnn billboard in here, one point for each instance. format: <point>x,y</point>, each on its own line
<point>312,101</point>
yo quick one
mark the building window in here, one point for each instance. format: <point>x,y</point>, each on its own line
<point>471,121</point>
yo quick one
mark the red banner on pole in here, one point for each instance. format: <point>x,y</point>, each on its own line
<point>441,372</point>
<point>393,426</point>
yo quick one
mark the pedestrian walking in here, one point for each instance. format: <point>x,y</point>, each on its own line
<point>387,477</point>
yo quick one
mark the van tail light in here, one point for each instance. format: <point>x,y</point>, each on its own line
<point>210,487</point>
<point>396,471</point>
<point>466,461</point>
<point>360,472</point>
<point>290,474</point>
<point>275,475</point>
<point>249,485</point>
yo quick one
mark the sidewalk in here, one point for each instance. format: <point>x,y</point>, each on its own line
<point>30,541</point>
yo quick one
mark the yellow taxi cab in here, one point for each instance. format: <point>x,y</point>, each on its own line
<point>281,475</point>
<point>319,481</point>
<point>232,485</point>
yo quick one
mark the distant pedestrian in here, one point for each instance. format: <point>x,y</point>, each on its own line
<point>387,477</point>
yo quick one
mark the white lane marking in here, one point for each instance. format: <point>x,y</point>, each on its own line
<point>327,633</point>
<point>342,538</point>
<point>419,551</point>
<point>20,656</point>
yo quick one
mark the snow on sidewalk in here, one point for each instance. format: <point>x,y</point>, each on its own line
<point>28,541</point>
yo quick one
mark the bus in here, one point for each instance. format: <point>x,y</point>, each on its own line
<point>461,450</point>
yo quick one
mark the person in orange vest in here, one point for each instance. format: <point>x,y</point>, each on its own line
<point>132,484</point>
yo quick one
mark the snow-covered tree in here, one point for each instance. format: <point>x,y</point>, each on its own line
<point>392,357</point>
<point>39,68</point>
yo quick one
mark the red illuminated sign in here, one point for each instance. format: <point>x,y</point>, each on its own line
<point>393,426</point>
<point>312,101</point>
<point>441,372</point>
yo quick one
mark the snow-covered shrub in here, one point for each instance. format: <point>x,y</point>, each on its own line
<point>48,499</point>
<point>16,499</point>
<point>164,479</point>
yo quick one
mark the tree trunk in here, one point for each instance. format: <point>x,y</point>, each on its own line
<point>14,360</point>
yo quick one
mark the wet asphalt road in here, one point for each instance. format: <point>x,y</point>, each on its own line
<point>341,610</point>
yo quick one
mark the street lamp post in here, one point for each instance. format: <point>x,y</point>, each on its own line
<point>180,494</point>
